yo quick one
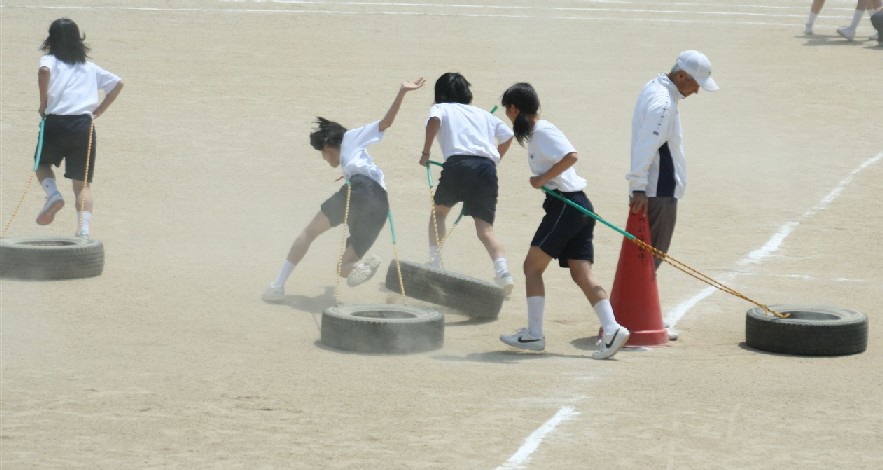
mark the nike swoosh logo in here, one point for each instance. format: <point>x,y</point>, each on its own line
<point>607,345</point>
<point>527,340</point>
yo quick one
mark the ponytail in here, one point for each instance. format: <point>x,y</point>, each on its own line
<point>523,96</point>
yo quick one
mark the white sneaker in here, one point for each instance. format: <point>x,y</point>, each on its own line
<point>807,29</point>
<point>82,234</point>
<point>610,344</point>
<point>54,203</point>
<point>435,263</point>
<point>363,271</point>
<point>522,339</point>
<point>875,36</point>
<point>846,32</point>
<point>274,295</point>
<point>505,282</point>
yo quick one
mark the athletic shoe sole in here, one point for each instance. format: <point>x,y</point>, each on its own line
<point>47,215</point>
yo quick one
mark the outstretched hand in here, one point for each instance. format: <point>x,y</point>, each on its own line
<point>411,86</point>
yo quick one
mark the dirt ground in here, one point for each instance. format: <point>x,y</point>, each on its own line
<point>205,176</point>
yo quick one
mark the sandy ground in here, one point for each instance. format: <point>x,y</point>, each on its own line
<point>205,176</point>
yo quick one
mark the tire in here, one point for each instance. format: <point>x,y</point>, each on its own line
<point>808,331</point>
<point>385,329</point>
<point>473,297</point>
<point>50,258</point>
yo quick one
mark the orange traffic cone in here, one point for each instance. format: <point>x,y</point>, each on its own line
<point>635,297</point>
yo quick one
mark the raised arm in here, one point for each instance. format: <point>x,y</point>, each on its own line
<point>387,120</point>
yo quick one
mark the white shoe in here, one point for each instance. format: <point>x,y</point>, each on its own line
<point>363,271</point>
<point>435,263</point>
<point>82,234</point>
<point>274,295</point>
<point>807,29</point>
<point>611,344</point>
<point>505,282</point>
<point>54,203</point>
<point>875,36</point>
<point>523,339</point>
<point>846,32</point>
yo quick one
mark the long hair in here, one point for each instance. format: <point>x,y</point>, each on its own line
<point>65,42</point>
<point>452,87</point>
<point>326,133</point>
<point>523,96</point>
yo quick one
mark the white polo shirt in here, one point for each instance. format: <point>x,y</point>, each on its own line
<point>73,89</point>
<point>469,130</point>
<point>655,122</point>
<point>355,159</point>
<point>546,147</point>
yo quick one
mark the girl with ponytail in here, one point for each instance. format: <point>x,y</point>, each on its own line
<point>564,233</point>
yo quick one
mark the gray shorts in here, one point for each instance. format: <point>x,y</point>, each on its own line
<point>662,213</point>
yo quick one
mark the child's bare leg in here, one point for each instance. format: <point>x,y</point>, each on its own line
<point>535,265</point>
<point>319,225</point>
<point>581,273</point>
<point>492,243</point>
<point>82,191</point>
<point>436,235</point>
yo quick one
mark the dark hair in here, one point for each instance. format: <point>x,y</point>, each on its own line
<point>326,133</point>
<point>65,42</point>
<point>452,87</point>
<point>525,98</point>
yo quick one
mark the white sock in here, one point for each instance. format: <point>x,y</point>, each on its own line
<point>286,270</point>
<point>812,19</point>
<point>605,315</point>
<point>856,19</point>
<point>535,306</point>
<point>433,252</point>
<point>49,186</point>
<point>500,266</point>
<point>85,218</point>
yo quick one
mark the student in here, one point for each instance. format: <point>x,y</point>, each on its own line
<point>565,232</point>
<point>861,6</point>
<point>472,141</point>
<point>369,205</point>
<point>69,102</point>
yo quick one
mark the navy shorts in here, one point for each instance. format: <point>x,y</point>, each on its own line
<point>67,138</point>
<point>565,232</point>
<point>369,207</point>
<point>471,180</point>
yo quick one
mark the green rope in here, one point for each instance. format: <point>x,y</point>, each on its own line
<point>392,226</point>
<point>588,212</point>
<point>40,143</point>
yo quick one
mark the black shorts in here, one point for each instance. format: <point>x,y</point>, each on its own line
<point>369,208</point>
<point>566,232</point>
<point>67,138</point>
<point>472,181</point>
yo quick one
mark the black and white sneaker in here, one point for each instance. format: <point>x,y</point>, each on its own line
<point>523,339</point>
<point>612,343</point>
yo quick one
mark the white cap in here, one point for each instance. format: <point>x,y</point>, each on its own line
<point>697,65</point>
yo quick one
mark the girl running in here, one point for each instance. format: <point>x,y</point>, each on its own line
<point>472,141</point>
<point>69,102</point>
<point>564,233</point>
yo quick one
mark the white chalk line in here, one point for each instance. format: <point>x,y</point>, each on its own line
<point>533,441</point>
<point>435,13</point>
<point>775,242</point>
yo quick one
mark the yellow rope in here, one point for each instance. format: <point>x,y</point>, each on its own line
<point>346,215</point>
<point>438,242</point>
<point>702,277</point>
<point>85,177</point>
<point>18,206</point>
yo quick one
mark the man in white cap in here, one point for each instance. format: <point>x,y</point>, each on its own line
<point>658,172</point>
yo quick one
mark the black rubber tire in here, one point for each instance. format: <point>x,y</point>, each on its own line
<point>473,297</point>
<point>385,329</point>
<point>808,331</point>
<point>49,258</point>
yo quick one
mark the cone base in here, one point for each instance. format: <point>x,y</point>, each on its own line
<point>649,338</point>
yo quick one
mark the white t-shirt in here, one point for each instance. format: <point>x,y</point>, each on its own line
<point>546,147</point>
<point>469,130</point>
<point>355,159</point>
<point>73,89</point>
